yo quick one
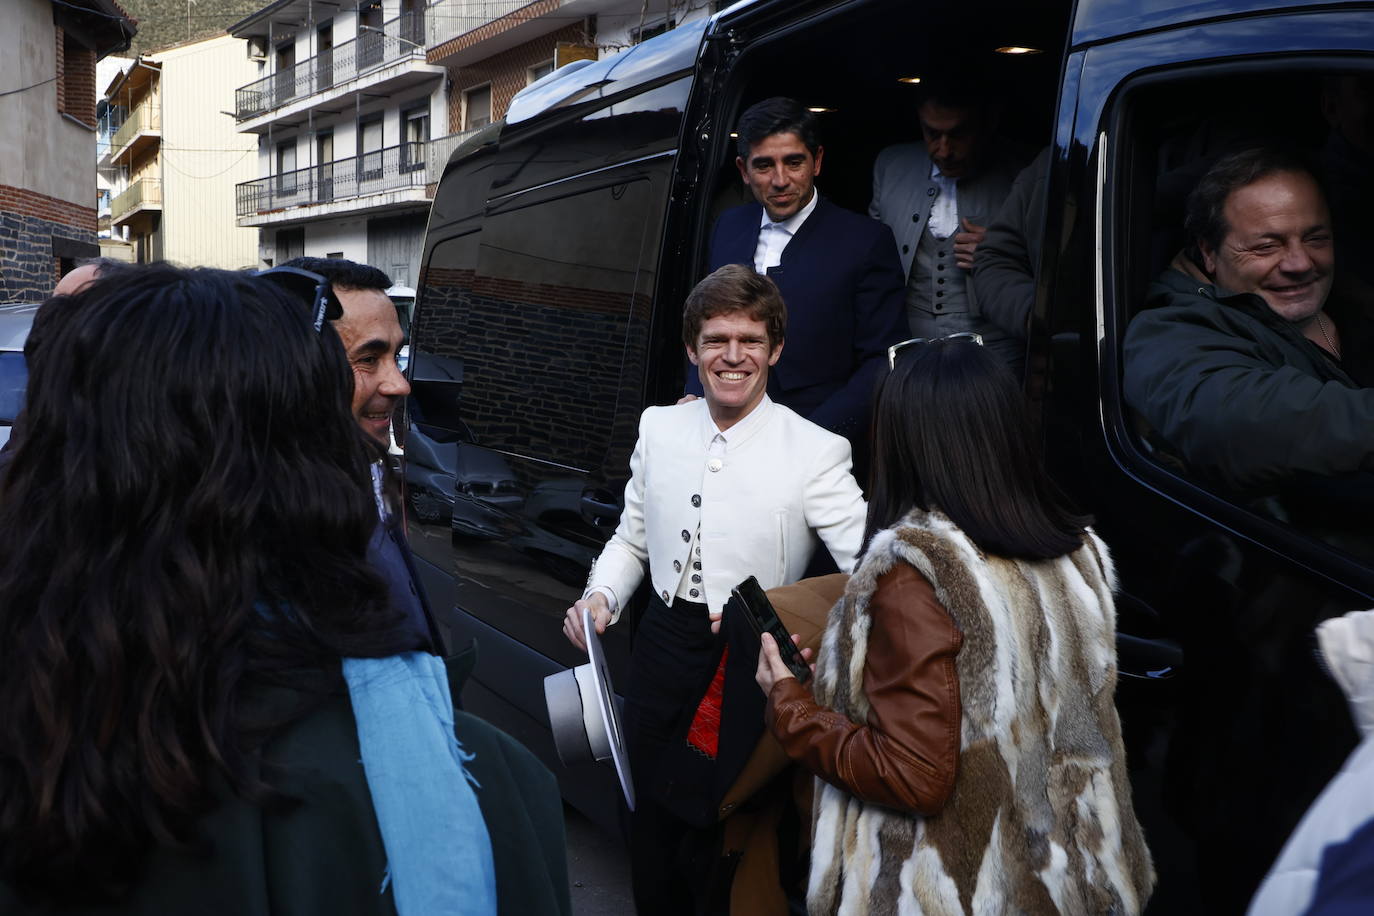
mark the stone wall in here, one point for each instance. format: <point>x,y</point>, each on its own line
<point>37,233</point>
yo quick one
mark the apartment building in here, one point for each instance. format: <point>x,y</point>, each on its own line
<point>175,155</point>
<point>48,55</point>
<point>494,48</point>
<point>342,108</point>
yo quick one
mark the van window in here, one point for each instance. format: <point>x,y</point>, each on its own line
<point>545,322</point>
<point>1233,393</point>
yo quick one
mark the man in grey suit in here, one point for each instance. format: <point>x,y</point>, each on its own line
<point>938,195</point>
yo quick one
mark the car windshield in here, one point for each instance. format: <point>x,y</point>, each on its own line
<point>14,375</point>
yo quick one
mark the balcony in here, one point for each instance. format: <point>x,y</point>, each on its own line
<point>439,151</point>
<point>143,197</point>
<point>448,19</point>
<point>382,62</point>
<point>388,178</point>
<point>140,132</point>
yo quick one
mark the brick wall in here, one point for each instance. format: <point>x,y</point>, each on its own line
<point>540,364</point>
<point>29,223</point>
<point>75,78</point>
<point>507,72</point>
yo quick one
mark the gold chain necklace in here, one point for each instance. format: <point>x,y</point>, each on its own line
<point>1330,344</point>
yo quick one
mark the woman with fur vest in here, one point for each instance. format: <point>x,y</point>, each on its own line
<point>963,730</point>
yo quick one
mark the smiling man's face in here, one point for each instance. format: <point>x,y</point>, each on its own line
<point>372,336</point>
<point>1277,245</point>
<point>732,356</point>
<point>781,172</point>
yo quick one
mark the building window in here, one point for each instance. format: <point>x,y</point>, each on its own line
<point>285,81</point>
<point>477,107</point>
<point>651,31</point>
<point>286,167</point>
<point>538,71</point>
<point>324,56</point>
<point>370,149</point>
<point>412,24</point>
<point>414,137</point>
<point>371,42</point>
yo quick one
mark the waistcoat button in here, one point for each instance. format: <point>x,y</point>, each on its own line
<point>696,500</point>
<point>686,535</point>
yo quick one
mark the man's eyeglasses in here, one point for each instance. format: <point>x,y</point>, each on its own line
<point>893,350</point>
<point>314,289</point>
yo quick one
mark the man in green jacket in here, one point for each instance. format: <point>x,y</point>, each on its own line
<point>1241,363</point>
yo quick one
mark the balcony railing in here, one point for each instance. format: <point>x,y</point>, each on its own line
<point>439,151</point>
<point>399,39</point>
<point>146,117</point>
<point>146,192</point>
<point>343,179</point>
<point>450,18</point>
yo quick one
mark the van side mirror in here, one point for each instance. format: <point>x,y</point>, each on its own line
<point>436,386</point>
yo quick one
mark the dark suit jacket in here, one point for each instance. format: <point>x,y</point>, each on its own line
<point>842,281</point>
<point>390,557</point>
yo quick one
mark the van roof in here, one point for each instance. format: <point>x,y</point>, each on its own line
<point>672,52</point>
<point>1098,20</point>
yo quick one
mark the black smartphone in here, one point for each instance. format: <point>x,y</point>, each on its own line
<point>749,597</point>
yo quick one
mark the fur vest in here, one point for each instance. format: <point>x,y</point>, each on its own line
<point>1040,820</point>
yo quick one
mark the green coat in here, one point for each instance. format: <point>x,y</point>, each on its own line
<point>325,855</point>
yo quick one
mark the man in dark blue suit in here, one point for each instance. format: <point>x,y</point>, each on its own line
<point>839,271</point>
<point>372,337</point>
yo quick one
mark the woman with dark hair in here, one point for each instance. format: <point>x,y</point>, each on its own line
<point>963,728</point>
<point>207,703</point>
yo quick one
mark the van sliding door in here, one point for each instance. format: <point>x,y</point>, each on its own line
<point>529,373</point>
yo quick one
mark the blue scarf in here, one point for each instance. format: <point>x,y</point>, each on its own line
<point>437,845</point>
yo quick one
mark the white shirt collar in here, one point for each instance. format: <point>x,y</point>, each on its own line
<point>793,222</point>
<point>740,430</point>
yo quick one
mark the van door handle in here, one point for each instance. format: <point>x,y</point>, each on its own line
<point>600,508</point>
<point>1148,659</point>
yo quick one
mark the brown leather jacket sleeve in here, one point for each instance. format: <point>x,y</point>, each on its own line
<point>907,753</point>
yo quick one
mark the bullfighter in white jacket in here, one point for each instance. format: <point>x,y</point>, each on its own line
<point>720,489</point>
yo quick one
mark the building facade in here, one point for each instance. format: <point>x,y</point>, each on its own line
<point>342,110</point>
<point>358,106</point>
<point>494,48</point>
<point>175,155</point>
<point>47,159</point>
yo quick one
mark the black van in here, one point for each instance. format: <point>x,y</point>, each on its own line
<point>563,240</point>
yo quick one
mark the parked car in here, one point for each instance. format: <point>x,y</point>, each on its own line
<point>563,240</point>
<point>15,321</point>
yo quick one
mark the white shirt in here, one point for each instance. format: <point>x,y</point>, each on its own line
<point>716,443</point>
<point>944,213</point>
<point>773,237</point>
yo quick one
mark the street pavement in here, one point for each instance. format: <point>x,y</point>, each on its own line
<point>598,869</point>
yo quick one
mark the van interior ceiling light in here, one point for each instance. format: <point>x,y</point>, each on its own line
<point>911,80</point>
<point>819,109</point>
<point>1017,49</point>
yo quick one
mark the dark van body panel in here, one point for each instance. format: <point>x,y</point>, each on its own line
<point>1107,20</point>
<point>562,242</point>
<point>1256,728</point>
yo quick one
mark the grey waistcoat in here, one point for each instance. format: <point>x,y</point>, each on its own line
<point>937,290</point>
